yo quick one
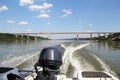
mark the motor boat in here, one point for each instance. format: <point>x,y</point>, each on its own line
<point>48,68</point>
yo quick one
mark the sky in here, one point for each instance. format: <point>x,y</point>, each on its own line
<point>59,16</point>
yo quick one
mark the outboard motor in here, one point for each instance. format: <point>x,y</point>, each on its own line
<point>50,57</point>
<point>50,60</point>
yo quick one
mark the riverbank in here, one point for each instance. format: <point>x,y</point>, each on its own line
<point>8,36</point>
<point>111,37</point>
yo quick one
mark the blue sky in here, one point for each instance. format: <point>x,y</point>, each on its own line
<point>59,15</point>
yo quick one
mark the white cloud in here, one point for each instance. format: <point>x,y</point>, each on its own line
<point>3,8</point>
<point>42,11</point>
<point>43,15</point>
<point>10,22</point>
<point>66,12</point>
<point>49,23</point>
<point>23,23</point>
<point>90,24</point>
<point>26,2</point>
<point>35,7</point>
<point>40,7</point>
<point>47,5</point>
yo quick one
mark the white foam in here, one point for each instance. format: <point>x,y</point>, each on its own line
<point>68,57</point>
<point>104,65</point>
<point>12,61</point>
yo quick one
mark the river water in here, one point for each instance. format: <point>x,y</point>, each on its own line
<point>77,55</point>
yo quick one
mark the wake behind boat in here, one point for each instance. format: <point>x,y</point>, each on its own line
<point>49,66</point>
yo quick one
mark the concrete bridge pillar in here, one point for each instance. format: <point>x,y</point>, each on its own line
<point>104,34</point>
<point>35,37</point>
<point>77,36</point>
<point>16,36</point>
<point>28,37</point>
<point>49,36</point>
<point>98,34</point>
<point>21,36</point>
<point>90,35</point>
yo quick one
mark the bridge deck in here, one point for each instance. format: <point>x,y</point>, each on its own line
<point>69,33</point>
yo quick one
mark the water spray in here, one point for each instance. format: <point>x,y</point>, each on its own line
<point>68,57</point>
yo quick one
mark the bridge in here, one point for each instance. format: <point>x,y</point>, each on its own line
<point>53,33</point>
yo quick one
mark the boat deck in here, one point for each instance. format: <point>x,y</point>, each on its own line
<point>87,74</point>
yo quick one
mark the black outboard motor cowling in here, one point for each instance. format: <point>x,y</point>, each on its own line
<point>51,58</point>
